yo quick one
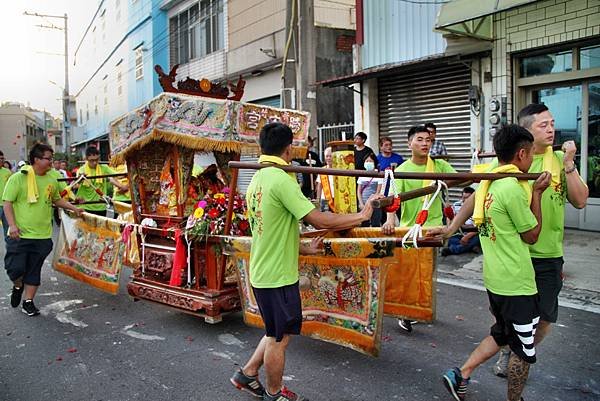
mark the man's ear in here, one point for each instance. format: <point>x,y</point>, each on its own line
<point>521,154</point>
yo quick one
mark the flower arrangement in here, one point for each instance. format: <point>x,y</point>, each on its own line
<point>210,213</point>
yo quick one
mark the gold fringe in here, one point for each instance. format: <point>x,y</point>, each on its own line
<point>196,143</point>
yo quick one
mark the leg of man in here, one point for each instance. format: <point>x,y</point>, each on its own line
<point>518,370</point>
<point>257,359</point>
<point>456,248</point>
<point>548,279</point>
<point>15,262</point>
<point>37,251</point>
<point>484,351</point>
<point>275,363</point>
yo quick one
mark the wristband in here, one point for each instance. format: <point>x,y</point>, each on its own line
<point>569,171</point>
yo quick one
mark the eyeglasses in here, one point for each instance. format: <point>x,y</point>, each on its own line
<point>50,159</point>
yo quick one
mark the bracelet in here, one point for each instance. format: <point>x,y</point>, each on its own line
<point>569,171</point>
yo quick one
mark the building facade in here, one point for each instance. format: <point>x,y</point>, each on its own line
<point>114,66</point>
<point>20,128</point>
<point>476,65</point>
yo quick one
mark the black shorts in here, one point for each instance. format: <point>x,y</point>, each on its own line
<point>548,278</point>
<point>25,257</point>
<point>281,310</point>
<point>517,318</point>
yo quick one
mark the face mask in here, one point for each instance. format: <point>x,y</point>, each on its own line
<point>369,166</point>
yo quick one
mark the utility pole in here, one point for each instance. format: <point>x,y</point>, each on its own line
<point>288,68</point>
<point>307,65</point>
<point>66,97</point>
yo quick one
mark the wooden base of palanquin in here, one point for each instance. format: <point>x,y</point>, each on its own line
<point>209,304</point>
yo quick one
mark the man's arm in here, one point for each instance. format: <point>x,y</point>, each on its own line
<point>465,212</point>
<point>66,205</point>
<point>116,183</point>
<point>531,236</point>
<point>577,191</point>
<point>9,213</point>
<point>333,221</point>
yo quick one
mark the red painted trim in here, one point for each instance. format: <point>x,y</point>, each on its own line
<point>360,35</point>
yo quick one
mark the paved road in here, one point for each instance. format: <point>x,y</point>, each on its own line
<point>88,345</point>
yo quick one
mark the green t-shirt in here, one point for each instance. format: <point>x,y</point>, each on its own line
<point>33,219</point>
<point>4,175</point>
<point>275,205</point>
<point>56,174</point>
<point>507,268</point>
<point>410,208</point>
<point>87,192</point>
<point>554,198</point>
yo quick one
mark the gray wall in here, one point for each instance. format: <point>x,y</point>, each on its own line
<point>334,105</point>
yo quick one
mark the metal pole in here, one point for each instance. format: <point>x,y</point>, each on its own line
<point>66,99</point>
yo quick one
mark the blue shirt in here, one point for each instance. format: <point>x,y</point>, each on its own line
<point>385,162</point>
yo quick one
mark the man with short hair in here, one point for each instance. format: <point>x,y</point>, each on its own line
<point>419,142</point>
<point>360,150</point>
<point>87,189</point>
<point>386,157</point>
<point>509,216</point>
<point>275,206</point>
<point>437,147</point>
<point>28,199</point>
<point>547,253</point>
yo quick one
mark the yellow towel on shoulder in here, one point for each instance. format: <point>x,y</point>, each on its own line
<point>275,160</point>
<point>32,189</point>
<point>89,173</point>
<point>552,165</point>
<point>430,168</point>
<point>484,186</point>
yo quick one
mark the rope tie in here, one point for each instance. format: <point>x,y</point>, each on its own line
<point>389,177</point>
<point>416,231</point>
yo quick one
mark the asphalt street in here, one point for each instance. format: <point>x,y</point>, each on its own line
<point>88,345</point>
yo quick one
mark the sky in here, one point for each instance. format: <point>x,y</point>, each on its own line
<point>25,71</point>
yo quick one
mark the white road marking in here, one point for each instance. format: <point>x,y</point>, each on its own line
<point>140,336</point>
<point>230,339</point>
<point>59,308</point>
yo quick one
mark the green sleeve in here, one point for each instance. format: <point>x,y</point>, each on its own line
<point>11,190</point>
<point>444,167</point>
<point>107,170</point>
<point>292,198</point>
<point>518,209</point>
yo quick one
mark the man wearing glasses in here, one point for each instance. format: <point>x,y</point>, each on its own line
<point>87,189</point>
<point>28,199</point>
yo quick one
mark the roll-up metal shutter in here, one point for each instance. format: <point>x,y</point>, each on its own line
<point>245,175</point>
<point>436,94</point>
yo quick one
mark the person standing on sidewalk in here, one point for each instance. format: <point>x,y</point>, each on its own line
<point>437,147</point>
<point>507,222</point>
<point>28,199</point>
<point>275,206</point>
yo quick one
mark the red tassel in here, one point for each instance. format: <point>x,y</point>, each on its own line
<point>449,212</point>
<point>394,206</point>
<point>422,217</point>
<point>179,260</point>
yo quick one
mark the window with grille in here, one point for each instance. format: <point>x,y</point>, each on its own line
<point>139,63</point>
<point>196,32</point>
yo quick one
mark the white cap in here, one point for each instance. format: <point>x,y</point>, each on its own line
<point>21,164</point>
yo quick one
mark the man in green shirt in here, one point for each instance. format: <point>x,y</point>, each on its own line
<point>275,207</point>
<point>419,142</point>
<point>4,174</point>
<point>28,198</point>
<point>547,252</point>
<point>507,223</point>
<point>87,191</point>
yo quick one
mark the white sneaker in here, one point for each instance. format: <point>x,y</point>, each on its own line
<point>406,325</point>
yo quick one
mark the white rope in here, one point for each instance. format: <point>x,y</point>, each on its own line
<point>416,231</point>
<point>389,177</point>
<point>475,159</point>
